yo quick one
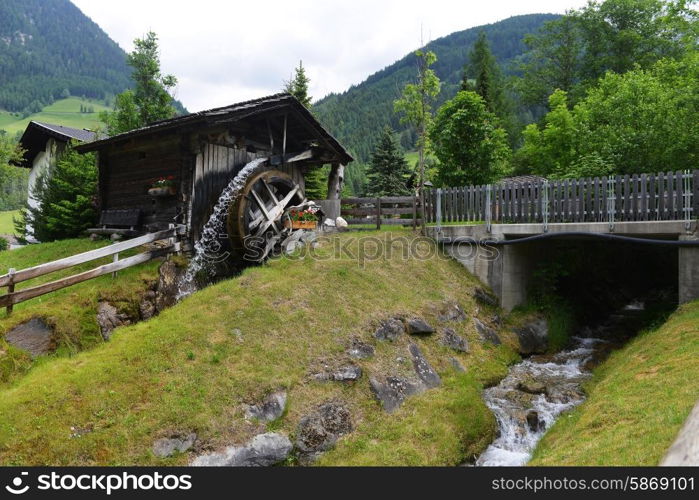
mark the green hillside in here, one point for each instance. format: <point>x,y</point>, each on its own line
<point>62,112</point>
<point>356,116</point>
<point>267,329</point>
<point>51,49</point>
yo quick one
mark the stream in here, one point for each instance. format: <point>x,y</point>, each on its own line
<point>536,391</point>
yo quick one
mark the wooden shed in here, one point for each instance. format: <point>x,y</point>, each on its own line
<point>201,153</point>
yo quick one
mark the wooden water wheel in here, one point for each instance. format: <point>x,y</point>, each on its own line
<point>255,223</point>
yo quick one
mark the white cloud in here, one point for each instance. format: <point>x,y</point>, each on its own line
<point>227,51</point>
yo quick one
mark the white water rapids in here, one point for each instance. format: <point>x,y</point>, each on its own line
<point>528,401</point>
<point>207,249</point>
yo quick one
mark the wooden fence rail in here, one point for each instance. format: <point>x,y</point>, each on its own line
<point>638,197</point>
<point>13,277</point>
<point>387,210</point>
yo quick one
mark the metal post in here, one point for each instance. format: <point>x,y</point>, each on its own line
<point>687,195</point>
<point>545,205</point>
<point>438,215</point>
<point>488,208</point>
<point>611,202</point>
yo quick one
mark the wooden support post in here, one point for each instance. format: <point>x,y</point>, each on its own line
<point>415,213</point>
<point>10,288</point>
<point>335,181</point>
<point>378,214</point>
<point>115,259</point>
<point>284,139</point>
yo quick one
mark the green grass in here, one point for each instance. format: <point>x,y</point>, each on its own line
<point>193,367</point>
<point>62,112</point>
<point>7,226</point>
<point>70,311</point>
<point>638,400</point>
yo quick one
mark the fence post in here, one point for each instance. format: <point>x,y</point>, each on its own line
<point>687,195</point>
<point>378,214</point>
<point>438,214</point>
<point>611,201</point>
<point>11,288</point>
<point>488,208</point>
<point>415,213</point>
<point>115,259</point>
<point>545,205</point>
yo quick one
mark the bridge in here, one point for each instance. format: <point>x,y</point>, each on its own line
<point>497,230</point>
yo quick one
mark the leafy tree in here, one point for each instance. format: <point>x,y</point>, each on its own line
<point>65,199</point>
<point>388,172</point>
<point>150,100</point>
<point>553,62</point>
<point>469,144</point>
<point>415,106</point>
<point>641,121</point>
<point>298,86</point>
<point>13,180</point>
<point>572,53</point>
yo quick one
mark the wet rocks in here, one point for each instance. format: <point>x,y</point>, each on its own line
<point>108,318</point>
<point>531,386</point>
<point>270,409</point>
<point>486,333</point>
<point>360,350</point>
<point>390,330</point>
<point>418,326</point>
<point>451,339</point>
<point>484,297</point>
<point>534,422</point>
<point>319,431</point>
<point>33,336</point>
<point>169,277</point>
<point>452,312</point>
<point>423,369</point>
<point>167,447</point>
<point>262,451</point>
<point>392,391</point>
<point>533,337</point>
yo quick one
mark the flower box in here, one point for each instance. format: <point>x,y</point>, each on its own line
<point>163,191</point>
<point>301,224</point>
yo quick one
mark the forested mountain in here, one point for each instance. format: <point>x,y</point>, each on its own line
<point>48,49</point>
<point>357,116</point>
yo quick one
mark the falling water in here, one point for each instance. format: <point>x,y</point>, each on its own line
<point>207,249</point>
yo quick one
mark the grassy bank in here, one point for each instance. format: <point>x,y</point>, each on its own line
<point>193,367</point>
<point>71,311</point>
<point>7,225</point>
<point>62,112</point>
<point>638,400</point>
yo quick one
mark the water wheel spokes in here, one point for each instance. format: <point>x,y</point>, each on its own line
<point>256,215</point>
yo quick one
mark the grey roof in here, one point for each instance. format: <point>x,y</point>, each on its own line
<point>229,113</point>
<point>523,179</point>
<point>68,133</point>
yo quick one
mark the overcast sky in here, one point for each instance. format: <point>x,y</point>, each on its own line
<point>228,51</point>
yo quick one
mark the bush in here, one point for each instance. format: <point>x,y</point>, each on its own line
<point>4,245</point>
<point>66,199</point>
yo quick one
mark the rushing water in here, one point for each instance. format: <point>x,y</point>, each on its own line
<point>536,391</point>
<point>207,249</point>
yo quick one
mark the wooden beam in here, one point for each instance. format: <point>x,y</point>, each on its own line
<point>81,258</point>
<point>335,181</point>
<point>30,293</point>
<point>291,157</point>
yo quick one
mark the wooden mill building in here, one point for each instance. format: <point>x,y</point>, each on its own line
<point>202,152</point>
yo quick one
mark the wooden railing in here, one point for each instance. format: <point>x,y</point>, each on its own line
<point>638,197</point>
<point>13,276</point>
<point>381,211</point>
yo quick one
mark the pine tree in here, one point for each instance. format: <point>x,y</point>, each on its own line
<point>298,86</point>
<point>484,68</point>
<point>65,197</point>
<point>150,100</point>
<point>388,171</point>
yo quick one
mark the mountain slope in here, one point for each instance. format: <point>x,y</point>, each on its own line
<point>356,116</point>
<point>48,47</point>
